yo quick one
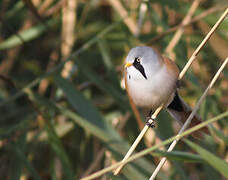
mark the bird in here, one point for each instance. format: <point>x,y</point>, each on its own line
<point>152,80</point>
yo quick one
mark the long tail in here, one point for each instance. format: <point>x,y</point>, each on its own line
<point>180,111</point>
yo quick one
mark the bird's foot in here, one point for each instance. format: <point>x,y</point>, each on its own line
<point>150,122</point>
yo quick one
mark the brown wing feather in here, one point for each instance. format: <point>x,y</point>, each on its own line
<point>171,66</point>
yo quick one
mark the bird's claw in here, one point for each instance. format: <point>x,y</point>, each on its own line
<point>150,122</point>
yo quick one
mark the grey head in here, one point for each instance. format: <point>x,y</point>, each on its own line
<point>144,62</point>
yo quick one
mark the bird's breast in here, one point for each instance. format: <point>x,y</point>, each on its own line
<point>151,92</point>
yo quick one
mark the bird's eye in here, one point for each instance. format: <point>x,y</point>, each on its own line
<point>137,59</point>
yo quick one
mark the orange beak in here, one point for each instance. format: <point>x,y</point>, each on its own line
<point>128,65</point>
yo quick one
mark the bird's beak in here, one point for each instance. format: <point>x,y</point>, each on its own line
<point>128,65</point>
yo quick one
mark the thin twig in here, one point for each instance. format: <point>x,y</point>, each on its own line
<point>195,19</point>
<point>33,10</point>
<point>142,12</point>
<point>195,53</point>
<point>54,9</point>
<point>133,146</point>
<point>217,43</point>
<point>192,58</point>
<point>129,21</point>
<point>43,6</point>
<point>97,160</point>
<point>68,25</point>
<point>136,142</point>
<point>149,150</point>
<point>188,121</point>
<point>179,32</point>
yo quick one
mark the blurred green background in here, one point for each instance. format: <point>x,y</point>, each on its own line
<point>64,113</point>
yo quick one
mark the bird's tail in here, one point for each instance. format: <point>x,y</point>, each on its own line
<point>180,111</point>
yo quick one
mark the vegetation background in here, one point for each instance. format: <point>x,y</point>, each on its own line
<point>65,120</point>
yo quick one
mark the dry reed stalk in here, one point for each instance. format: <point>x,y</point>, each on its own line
<point>142,11</point>
<point>195,53</point>
<point>55,8</point>
<point>33,9</point>
<point>138,139</point>
<point>195,19</point>
<point>44,83</point>
<point>68,26</point>
<point>44,6</point>
<point>93,165</point>
<point>123,13</point>
<point>180,31</point>
<point>217,43</point>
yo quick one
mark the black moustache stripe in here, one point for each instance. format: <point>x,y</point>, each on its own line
<point>139,67</point>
